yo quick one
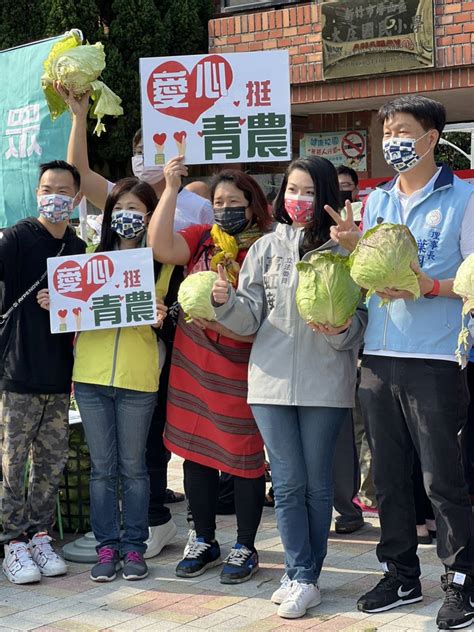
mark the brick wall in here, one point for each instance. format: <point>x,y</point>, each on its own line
<point>298,29</point>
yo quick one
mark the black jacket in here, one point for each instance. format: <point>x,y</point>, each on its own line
<point>32,360</point>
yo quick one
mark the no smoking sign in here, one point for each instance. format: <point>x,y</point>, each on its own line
<point>353,145</point>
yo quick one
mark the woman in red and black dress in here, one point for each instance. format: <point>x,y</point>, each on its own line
<point>209,422</point>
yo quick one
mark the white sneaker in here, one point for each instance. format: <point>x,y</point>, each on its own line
<point>18,565</point>
<point>281,593</point>
<point>300,597</point>
<point>159,537</point>
<point>50,564</point>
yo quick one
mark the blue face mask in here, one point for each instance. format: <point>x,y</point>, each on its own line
<point>400,153</point>
<point>128,224</point>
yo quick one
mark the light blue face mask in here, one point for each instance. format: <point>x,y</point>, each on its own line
<point>128,224</point>
<point>400,153</point>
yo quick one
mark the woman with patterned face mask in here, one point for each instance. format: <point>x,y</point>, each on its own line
<point>301,378</point>
<point>116,375</point>
<point>209,422</point>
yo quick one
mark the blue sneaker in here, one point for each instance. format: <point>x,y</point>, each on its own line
<point>199,555</point>
<point>239,565</point>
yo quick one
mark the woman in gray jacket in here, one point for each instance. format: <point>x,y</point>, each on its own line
<point>301,377</point>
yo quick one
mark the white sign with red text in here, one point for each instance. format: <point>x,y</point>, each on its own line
<point>216,108</point>
<point>102,290</point>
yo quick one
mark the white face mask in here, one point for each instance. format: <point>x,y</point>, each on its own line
<point>152,175</point>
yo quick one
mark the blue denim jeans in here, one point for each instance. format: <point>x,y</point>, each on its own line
<point>116,422</point>
<point>301,441</point>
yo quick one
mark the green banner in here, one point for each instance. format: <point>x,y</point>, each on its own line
<point>28,137</point>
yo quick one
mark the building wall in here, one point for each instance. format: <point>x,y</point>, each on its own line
<point>298,29</point>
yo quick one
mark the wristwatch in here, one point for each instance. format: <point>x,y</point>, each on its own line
<point>434,290</point>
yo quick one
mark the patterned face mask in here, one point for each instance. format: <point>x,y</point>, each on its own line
<point>299,207</point>
<point>128,224</point>
<point>400,153</point>
<point>55,208</point>
<point>231,219</point>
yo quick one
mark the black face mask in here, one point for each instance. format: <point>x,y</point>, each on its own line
<point>231,219</point>
<point>343,196</point>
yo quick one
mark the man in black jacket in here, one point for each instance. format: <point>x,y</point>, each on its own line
<point>35,377</point>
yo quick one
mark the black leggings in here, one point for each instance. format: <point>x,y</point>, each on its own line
<point>202,489</point>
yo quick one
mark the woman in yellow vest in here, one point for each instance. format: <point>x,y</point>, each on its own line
<point>116,375</point>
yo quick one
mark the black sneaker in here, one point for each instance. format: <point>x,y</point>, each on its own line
<point>199,555</point>
<point>390,592</point>
<point>457,610</point>
<point>240,565</point>
<point>134,566</point>
<point>173,497</point>
<point>106,568</point>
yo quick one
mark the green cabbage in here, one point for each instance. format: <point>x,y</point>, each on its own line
<point>464,286</point>
<point>382,260</point>
<point>77,67</point>
<point>194,295</point>
<point>326,294</point>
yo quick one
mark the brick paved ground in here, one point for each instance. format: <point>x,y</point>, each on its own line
<point>164,602</point>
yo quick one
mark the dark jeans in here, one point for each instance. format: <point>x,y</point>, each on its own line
<point>413,404</point>
<point>423,507</point>
<point>116,423</point>
<point>346,474</point>
<point>157,456</point>
<point>202,489</point>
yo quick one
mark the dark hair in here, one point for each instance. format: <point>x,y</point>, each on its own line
<point>144,192</point>
<point>137,138</point>
<point>326,191</point>
<point>252,192</point>
<point>342,170</point>
<point>430,114</point>
<point>61,165</point>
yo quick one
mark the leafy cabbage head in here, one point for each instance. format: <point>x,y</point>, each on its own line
<point>77,67</point>
<point>326,293</point>
<point>383,258</point>
<point>464,283</point>
<point>464,286</point>
<point>194,295</point>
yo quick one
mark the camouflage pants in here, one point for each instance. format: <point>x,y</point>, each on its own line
<point>35,428</point>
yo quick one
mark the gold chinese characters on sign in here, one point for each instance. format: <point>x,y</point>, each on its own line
<point>362,37</point>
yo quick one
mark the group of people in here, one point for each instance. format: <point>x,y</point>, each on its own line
<point>219,393</point>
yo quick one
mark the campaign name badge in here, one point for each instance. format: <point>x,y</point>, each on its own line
<point>434,218</point>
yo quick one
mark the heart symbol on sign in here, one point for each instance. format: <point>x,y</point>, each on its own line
<point>76,311</point>
<point>62,313</point>
<point>178,136</point>
<point>200,134</point>
<point>193,93</point>
<point>242,121</point>
<point>159,139</point>
<point>72,280</point>
<point>117,285</point>
<point>236,103</point>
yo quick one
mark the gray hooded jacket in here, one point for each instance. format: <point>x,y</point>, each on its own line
<point>290,364</point>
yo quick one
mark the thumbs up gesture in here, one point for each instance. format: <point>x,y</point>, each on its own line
<point>220,290</point>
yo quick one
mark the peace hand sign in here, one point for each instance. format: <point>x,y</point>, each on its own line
<point>345,232</point>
